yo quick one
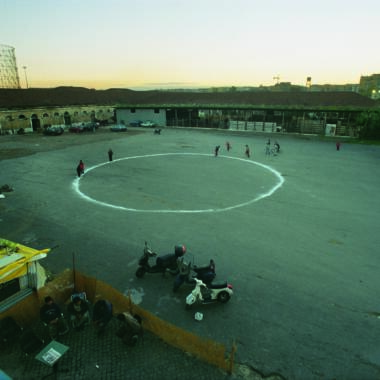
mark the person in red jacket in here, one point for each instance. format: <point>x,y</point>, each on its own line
<point>80,168</point>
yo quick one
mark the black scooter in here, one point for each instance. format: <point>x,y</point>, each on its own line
<point>164,264</point>
<point>189,272</point>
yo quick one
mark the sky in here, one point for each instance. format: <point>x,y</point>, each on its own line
<point>162,44</point>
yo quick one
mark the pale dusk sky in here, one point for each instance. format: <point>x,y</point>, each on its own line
<point>146,44</point>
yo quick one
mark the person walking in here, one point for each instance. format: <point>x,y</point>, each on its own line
<point>247,151</point>
<point>80,168</point>
<point>228,146</point>
<point>337,144</point>
<point>267,148</point>
<point>217,150</point>
<point>110,154</point>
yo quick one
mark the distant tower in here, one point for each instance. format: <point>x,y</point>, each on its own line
<point>8,68</point>
<point>308,82</point>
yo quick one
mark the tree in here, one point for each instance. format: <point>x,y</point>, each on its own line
<point>369,125</point>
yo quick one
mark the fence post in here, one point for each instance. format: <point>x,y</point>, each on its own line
<point>232,358</point>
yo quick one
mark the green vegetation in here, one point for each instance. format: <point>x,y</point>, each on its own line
<point>369,125</point>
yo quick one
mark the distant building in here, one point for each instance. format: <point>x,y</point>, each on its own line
<point>294,111</point>
<point>349,87</point>
<point>370,86</point>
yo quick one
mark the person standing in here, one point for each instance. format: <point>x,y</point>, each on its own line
<point>80,168</point>
<point>110,154</point>
<point>337,144</point>
<point>267,148</point>
<point>228,146</point>
<point>247,151</point>
<point>217,150</point>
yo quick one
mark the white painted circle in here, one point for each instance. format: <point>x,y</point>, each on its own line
<point>280,181</point>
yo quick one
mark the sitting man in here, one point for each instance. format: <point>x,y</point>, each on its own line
<point>79,313</point>
<point>52,316</point>
<point>102,314</point>
<point>130,329</point>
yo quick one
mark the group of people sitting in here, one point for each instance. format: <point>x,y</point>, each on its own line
<point>80,313</point>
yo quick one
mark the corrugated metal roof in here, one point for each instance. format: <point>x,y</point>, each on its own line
<point>66,96</point>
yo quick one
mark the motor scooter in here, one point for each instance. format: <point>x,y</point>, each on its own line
<point>188,272</point>
<point>164,263</point>
<point>221,292</point>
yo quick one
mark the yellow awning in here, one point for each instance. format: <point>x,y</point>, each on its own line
<point>14,259</point>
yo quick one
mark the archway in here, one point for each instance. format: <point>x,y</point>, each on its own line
<point>36,122</point>
<point>67,118</point>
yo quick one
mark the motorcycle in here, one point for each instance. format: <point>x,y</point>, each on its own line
<point>221,292</point>
<point>186,273</point>
<point>164,263</point>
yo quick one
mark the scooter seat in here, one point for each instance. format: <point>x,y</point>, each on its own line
<point>166,260</point>
<point>204,269</point>
<point>206,277</point>
<point>219,285</point>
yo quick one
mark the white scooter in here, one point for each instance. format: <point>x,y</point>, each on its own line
<point>221,292</point>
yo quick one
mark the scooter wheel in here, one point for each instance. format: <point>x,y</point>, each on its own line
<point>223,297</point>
<point>140,272</point>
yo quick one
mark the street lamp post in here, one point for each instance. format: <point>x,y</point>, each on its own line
<point>26,78</point>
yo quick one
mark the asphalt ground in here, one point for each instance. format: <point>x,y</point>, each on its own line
<point>295,234</point>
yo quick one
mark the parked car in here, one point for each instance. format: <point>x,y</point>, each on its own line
<point>104,123</point>
<point>148,123</point>
<point>53,130</point>
<point>119,128</point>
<point>91,126</point>
<point>135,123</point>
<point>76,128</point>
